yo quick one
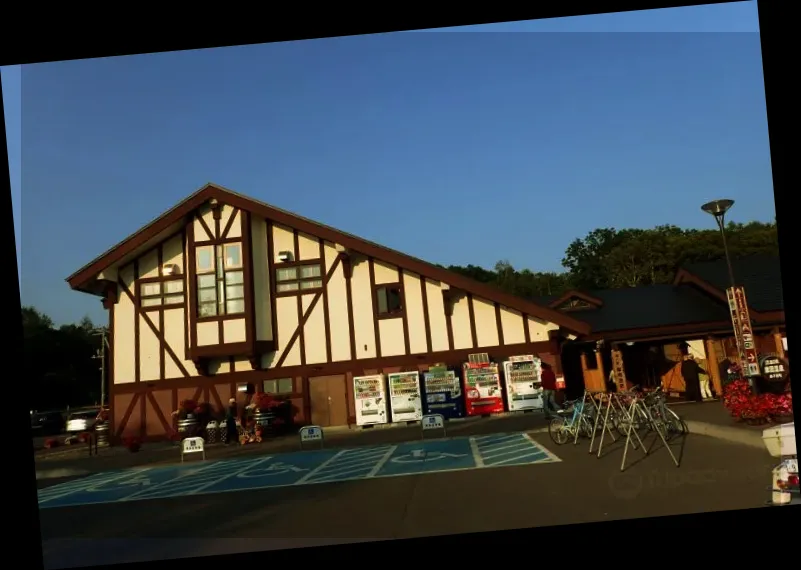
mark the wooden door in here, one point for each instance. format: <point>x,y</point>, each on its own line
<point>318,398</point>
<point>337,399</point>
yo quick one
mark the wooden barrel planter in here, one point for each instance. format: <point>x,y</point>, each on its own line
<point>101,433</point>
<point>187,427</point>
<point>264,421</point>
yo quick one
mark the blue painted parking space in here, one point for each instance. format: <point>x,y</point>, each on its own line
<point>300,468</point>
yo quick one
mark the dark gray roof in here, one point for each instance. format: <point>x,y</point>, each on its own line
<point>760,275</point>
<point>646,307</point>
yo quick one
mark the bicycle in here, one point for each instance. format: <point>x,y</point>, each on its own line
<point>562,429</point>
<point>663,416</point>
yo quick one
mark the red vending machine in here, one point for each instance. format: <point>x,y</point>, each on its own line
<point>482,386</point>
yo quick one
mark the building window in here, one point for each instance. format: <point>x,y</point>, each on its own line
<point>389,300</point>
<point>162,293</point>
<point>220,280</point>
<point>299,278</point>
<point>278,386</point>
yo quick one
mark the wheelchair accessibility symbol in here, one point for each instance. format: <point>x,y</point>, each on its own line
<point>421,455</point>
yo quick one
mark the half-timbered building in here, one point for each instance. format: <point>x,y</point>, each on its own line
<point>223,291</point>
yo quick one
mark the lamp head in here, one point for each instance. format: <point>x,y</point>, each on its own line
<point>717,208</point>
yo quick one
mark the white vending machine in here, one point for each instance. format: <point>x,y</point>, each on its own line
<point>371,401</point>
<point>405,399</point>
<point>523,383</point>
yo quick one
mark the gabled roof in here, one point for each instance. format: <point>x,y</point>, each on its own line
<point>760,275</point>
<point>174,218</point>
<point>649,307</point>
<point>576,295</point>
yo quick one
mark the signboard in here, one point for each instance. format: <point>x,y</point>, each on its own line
<point>743,333</point>
<point>193,445</point>
<point>310,434</point>
<point>773,368</point>
<point>619,369</point>
<point>433,421</point>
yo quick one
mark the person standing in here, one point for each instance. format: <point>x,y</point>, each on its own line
<point>548,379</point>
<point>691,371</point>
<point>703,380</point>
<point>231,433</point>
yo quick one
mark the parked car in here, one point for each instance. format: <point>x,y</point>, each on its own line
<point>82,420</point>
<point>47,423</point>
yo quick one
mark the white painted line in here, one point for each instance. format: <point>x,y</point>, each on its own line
<point>485,444</point>
<point>543,448</point>
<point>525,450</point>
<point>180,477</point>
<point>382,461</point>
<point>476,453</point>
<point>92,484</point>
<point>359,460</point>
<point>333,470</point>
<point>519,457</point>
<point>487,451</point>
<point>228,476</point>
<point>320,467</point>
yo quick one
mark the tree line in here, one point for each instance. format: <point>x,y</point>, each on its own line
<point>60,369</point>
<point>607,258</point>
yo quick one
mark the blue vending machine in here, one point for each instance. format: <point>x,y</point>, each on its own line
<point>442,393</point>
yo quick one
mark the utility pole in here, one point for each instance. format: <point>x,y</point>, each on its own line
<point>101,355</point>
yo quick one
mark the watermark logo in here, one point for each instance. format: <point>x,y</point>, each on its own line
<point>630,484</point>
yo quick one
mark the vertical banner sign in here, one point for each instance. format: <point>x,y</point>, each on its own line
<point>743,333</point>
<point>619,369</point>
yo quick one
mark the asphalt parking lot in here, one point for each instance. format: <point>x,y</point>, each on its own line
<point>714,475</point>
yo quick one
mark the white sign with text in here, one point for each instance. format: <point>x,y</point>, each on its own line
<point>193,445</point>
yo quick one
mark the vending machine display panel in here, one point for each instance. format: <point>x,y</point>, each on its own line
<point>442,394</point>
<point>482,387</point>
<point>371,402</point>
<point>523,383</point>
<point>404,393</point>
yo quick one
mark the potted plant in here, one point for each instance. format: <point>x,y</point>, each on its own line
<point>132,443</point>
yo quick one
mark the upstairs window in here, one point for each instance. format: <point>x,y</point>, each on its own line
<point>299,278</point>
<point>220,280</point>
<point>389,301</point>
<point>162,293</point>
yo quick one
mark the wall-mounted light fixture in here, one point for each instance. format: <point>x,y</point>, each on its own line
<point>171,269</point>
<point>284,256</point>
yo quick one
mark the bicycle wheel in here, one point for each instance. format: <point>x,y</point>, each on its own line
<point>674,423</point>
<point>558,431</point>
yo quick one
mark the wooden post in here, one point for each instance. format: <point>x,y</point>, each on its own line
<point>777,339</point>
<point>713,366</point>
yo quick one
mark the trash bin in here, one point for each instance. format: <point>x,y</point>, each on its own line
<point>212,432</point>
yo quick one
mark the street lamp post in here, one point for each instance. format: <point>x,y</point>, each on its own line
<point>718,209</point>
<point>101,355</point>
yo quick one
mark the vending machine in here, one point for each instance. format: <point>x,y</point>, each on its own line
<point>404,396</point>
<point>371,402</point>
<point>482,386</point>
<point>442,393</point>
<point>523,383</point>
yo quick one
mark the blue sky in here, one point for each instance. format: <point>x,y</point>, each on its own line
<point>539,137</point>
